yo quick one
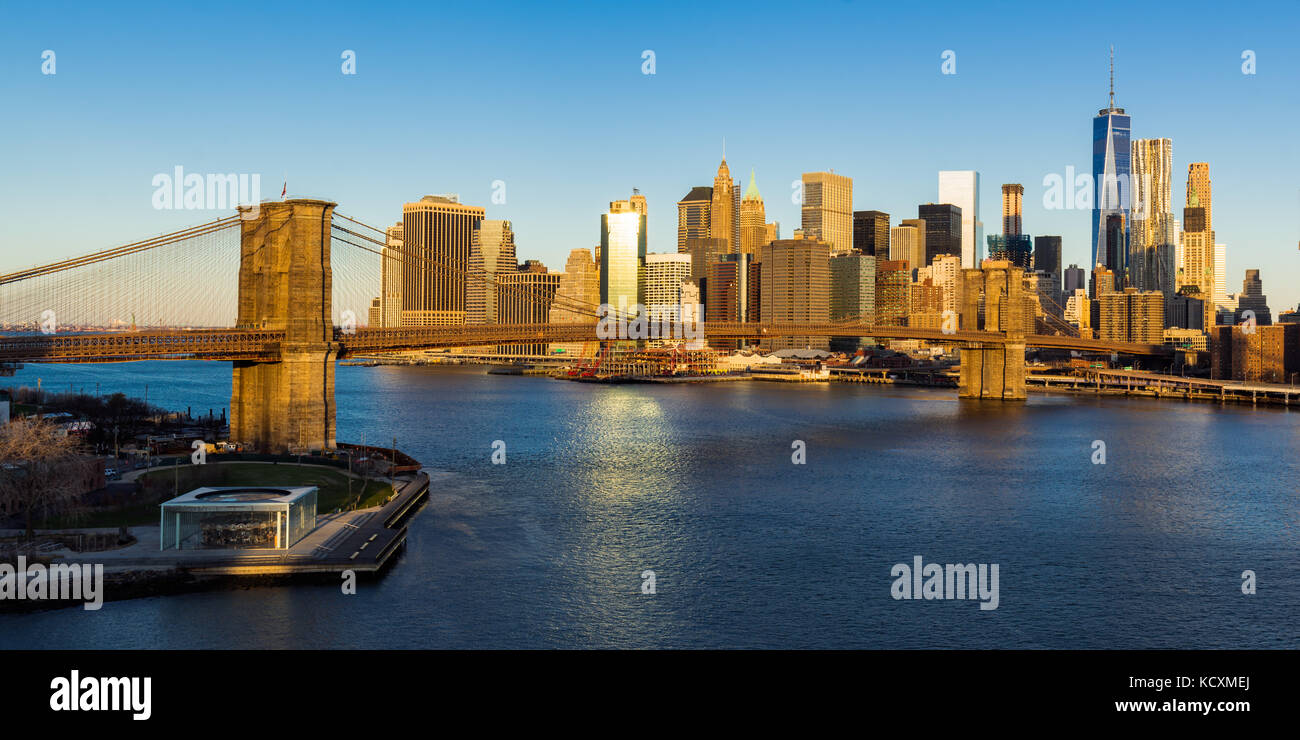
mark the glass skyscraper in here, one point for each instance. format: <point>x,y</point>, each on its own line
<point>622,256</point>
<point>1111,171</point>
<point>962,189</point>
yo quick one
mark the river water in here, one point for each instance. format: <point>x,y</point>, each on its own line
<point>749,549</point>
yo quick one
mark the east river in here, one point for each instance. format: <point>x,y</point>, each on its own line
<point>697,484</point>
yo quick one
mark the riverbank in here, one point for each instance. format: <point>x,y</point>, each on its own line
<point>363,542</point>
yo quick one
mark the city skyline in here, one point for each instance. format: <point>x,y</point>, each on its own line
<point>564,158</point>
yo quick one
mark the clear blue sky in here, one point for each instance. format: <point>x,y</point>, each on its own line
<point>550,98</point>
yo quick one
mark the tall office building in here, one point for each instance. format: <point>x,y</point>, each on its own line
<point>1187,312</point>
<point>704,253</point>
<point>943,230</point>
<point>1252,299</point>
<point>732,287</point>
<point>1013,195</point>
<point>1198,258</point>
<point>925,300</point>
<point>1078,312</point>
<point>526,297</point>
<point>795,288</point>
<point>893,282</point>
<point>491,253</point>
<point>1110,170</point>
<point>664,275</point>
<point>853,295</point>
<point>753,219</point>
<point>871,233</point>
<point>946,273</point>
<point>622,257</point>
<point>1047,260</point>
<point>828,209</point>
<point>1153,237</point>
<point>1220,296</point>
<point>1074,279</point>
<point>1015,248</point>
<point>1198,179</point>
<point>725,209</point>
<point>437,232</point>
<point>638,202</point>
<point>962,189</point>
<point>576,298</point>
<point>907,243</point>
<point>693,216</point>
<point>1047,256</point>
<point>1115,248</point>
<point>390,278</point>
<point>733,294</point>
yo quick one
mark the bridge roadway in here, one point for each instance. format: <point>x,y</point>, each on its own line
<point>264,346</point>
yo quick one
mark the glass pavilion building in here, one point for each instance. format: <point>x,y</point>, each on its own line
<point>238,517</point>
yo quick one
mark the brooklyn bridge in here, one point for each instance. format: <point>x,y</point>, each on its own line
<point>261,288</point>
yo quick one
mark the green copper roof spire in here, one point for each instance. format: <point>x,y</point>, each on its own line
<point>751,192</point>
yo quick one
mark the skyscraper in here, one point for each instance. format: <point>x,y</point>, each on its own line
<point>946,273</point>
<point>795,288</point>
<point>753,219</point>
<point>943,230</point>
<point>907,243</point>
<point>1110,169</point>
<point>1152,232</point>
<point>1198,179</point>
<point>576,298</point>
<point>638,202</point>
<point>491,253</point>
<point>853,295</point>
<point>871,233</point>
<point>437,232</point>
<point>622,257</point>
<point>526,297</point>
<point>693,216</point>
<point>664,275</point>
<point>733,294</point>
<point>828,209</point>
<point>1047,256</point>
<point>1197,268</point>
<point>1220,296</point>
<point>725,208</point>
<point>1013,195</point>
<point>893,280</point>
<point>962,189</point>
<point>1047,260</point>
<point>1252,299</point>
<point>1115,248</point>
<point>390,278</point>
<point>1075,277</point>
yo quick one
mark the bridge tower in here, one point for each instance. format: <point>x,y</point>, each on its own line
<point>994,370</point>
<point>285,284</point>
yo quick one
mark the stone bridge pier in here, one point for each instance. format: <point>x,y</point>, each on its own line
<point>285,284</point>
<point>994,370</point>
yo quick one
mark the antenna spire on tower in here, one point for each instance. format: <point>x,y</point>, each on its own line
<point>1112,75</point>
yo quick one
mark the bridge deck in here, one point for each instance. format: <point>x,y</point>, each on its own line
<point>264,346</point>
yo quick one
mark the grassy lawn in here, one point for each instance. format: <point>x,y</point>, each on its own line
<point>159,485</point>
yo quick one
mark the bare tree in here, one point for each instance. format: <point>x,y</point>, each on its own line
<point>41,471</point>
